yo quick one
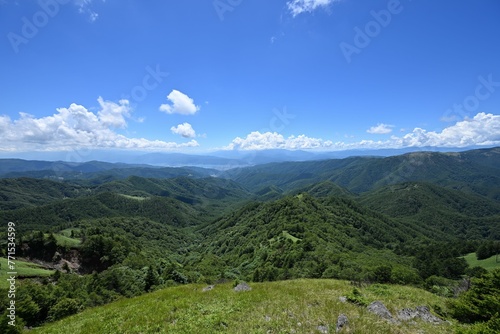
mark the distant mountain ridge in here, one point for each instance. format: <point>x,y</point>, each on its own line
<point>475,171</point>
<point>221,160</point>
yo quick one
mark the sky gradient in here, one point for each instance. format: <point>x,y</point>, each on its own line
<point>198,76</point>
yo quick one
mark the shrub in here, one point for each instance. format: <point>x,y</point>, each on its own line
<point>481,302</point>
<point>357,298</point>
<point>64,308</point>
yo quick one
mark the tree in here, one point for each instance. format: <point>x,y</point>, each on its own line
<point>481,302</point>
<point>64,308</point>
<point>382,274</point>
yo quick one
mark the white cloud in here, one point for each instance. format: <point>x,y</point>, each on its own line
<point>184,129</point>
<point>76,127</point>
<point>380,129</point>
<point>113,114</point>
<point>85,7</point>
<point>273,140</point>
<point>181,104</point>
<point>297,7</point>
<point>482,130</point>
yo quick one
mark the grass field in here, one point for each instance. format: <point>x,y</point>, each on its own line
<point>137,198</point>
<point>489,263</point>
<point>64,238</point>
<point>297,306</point>
<point>23,269</point>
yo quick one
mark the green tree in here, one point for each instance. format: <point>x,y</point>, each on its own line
<point>64,308</point>
<point>481,302</point>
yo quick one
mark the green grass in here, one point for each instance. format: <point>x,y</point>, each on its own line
<point>23,269</point>
<point>291,237</point>
<point>489,263</point>
<point>297,306</point>
<point>63,239</point>
<point>137,198</point>
<point>67,232</point>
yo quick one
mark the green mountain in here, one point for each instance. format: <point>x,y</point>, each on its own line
<point>303,236</point>
<point>324,189</point>
<point>93,172</point>
<point>474,171</point>
<point>113,231</point>
<point>27,192</point>
<point>462,214</point>
<point>106,204</point>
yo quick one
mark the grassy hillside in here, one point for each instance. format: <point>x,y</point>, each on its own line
<point>298,306</point>
<point>489,263</point>
<point>24,269</point>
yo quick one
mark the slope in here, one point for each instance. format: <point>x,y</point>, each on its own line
<point>302,236</point>
<point>472,171</point>
<point>464,215</point>
<point>298,306</point>
<point>23,192</point>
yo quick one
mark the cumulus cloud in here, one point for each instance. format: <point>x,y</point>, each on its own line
<point>113,114</point>
<point>273,140</point>
<point>380,129</point>
<point>180,104</point>
<point>297,7</point>
<point>76,127</point>
<point>184,129</point>
<point>482,130</point>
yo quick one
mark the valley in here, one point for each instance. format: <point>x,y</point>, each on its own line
<point>115,238</point>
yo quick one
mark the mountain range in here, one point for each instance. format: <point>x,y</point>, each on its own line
<point>402,219</point>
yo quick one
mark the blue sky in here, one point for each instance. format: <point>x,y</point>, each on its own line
<point>198,76</point>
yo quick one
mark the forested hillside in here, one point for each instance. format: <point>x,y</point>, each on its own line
<point>115,231</point>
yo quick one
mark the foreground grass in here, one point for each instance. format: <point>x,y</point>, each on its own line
<point>297,306</point>
<point>489,263</point>
<point>23,269</point>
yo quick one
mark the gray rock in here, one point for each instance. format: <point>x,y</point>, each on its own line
<point>342,322</point>
<point>208,288</point>
<point>425,314</point>
<point>242,287</point>
<point>407,314</point>
<point>322,329</point>
<point>343,299</point>
<point>379,309</point>
<point>421,312</point>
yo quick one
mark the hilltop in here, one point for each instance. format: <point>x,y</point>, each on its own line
<point>297,306</point>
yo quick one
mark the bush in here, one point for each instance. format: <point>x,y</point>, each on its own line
<point>382,274</point>
<point>481,302</point>
<point>404,275</point>
<point>357,298</point>
<point>65,307</point>
<point>6,328</point>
